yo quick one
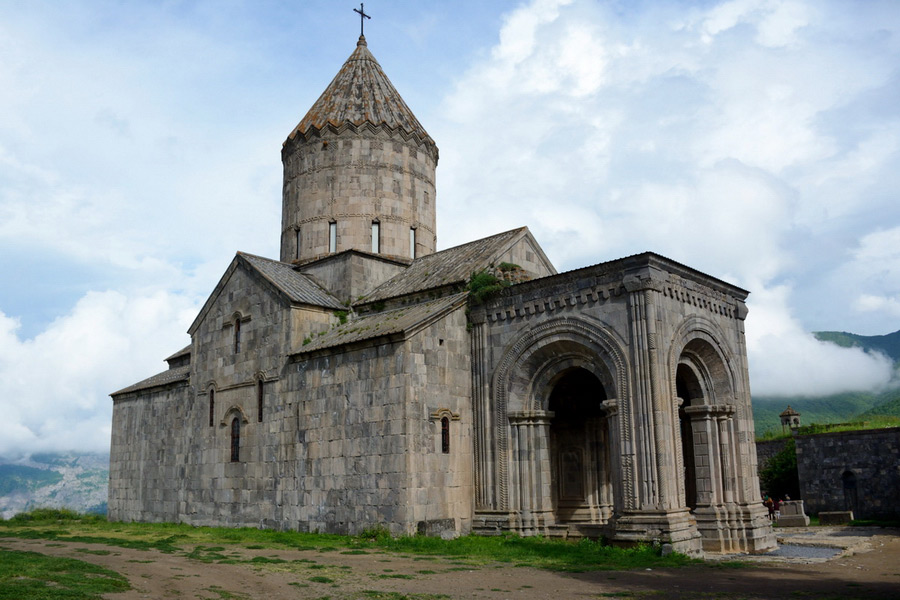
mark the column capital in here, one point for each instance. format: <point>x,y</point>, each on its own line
<point>531,417</point>
<point>644,278</point>
<point>610,406</point>
<point>710,410</point>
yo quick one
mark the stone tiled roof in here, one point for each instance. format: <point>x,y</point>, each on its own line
<point>399,322</point>
<point>296,286</point>
<point>446,267</point>
<point>160,379</point>
<point>361,93</point>
<point>184,351</point>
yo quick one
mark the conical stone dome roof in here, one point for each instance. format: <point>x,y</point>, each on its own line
<point>361,93</point>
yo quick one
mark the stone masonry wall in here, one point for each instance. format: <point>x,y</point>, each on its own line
<point>366,454</point>
<point>873,459</point>
<point>145,476</point>
<point>246,492</point>
<point>350,275</point>
<point>353,178</point>
<point>766,450</point>
<point>441,485</point>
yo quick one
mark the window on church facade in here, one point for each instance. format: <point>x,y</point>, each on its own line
<point>237,335</point>
<point>259,400</point>
<point>297,240</point>
<point>412,242</point>
<point>332,237</point>
<point>212,406</point>
<point>445,435</point>
<point>235,440</point>
<point>376,237</point>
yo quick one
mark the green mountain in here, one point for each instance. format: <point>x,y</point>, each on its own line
<point>886,344</point>
<point>837,408</point>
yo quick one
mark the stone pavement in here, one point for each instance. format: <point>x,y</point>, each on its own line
<point>814,544</point>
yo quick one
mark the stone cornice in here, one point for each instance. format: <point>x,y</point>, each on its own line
<point>384,131</point>
<point>602,283</point>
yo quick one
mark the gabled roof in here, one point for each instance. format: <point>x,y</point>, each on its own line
<point>160,379</point>
<point>361,93</point>
<point>447,267</point>
<point>281,278</point>
<point>299,288</point>
<point>183,352</point>
<point>400,323</point>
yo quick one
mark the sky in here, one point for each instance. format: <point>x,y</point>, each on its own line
<point>755,140</point>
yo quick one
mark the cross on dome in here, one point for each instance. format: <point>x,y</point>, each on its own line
<point>362,17</point>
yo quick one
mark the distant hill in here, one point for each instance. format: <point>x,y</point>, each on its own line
<point>886,344</point>
<point>836,408</point>
<point>58,480</point>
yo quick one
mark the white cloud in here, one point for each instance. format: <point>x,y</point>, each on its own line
<point>758,140</point>
<point>882,304</point>
<point>785,360</point>
<point>729,141</point>
<point>54,388</point>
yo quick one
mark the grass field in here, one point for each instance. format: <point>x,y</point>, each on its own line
<point>219,545</point>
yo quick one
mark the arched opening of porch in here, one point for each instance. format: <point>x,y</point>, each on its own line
<point>705,395</point>
<point>579,456</point>
<point>688,387</point>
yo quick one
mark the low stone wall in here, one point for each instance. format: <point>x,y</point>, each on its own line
<point>853,470</point>
<point>766,450</point>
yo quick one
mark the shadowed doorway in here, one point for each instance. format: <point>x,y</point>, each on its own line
<point>687,387</point>
<point>578,448</point>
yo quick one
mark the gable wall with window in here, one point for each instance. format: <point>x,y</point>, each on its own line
<point>212,475</point>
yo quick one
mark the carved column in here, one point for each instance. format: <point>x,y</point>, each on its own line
<point>615,494</point>
<point>706,455</point>
<point>652,411</point>
<point>485,484</point>
<point>530,492</point>
<point>726,451</point>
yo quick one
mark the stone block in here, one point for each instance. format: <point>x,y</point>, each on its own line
<point>835,517</point>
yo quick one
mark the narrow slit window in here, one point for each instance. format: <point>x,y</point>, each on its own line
<point>259,400</point>
<point>297,241</point>
<point>212,406</point>
<point>445,435</point>
<point>235,440</point>
<point>376,237</point>
<point>237,335</point>
<point>412,242</point>
<point>332,237</point>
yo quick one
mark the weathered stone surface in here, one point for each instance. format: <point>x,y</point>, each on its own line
<point>792,514</point>
<point>835,517</point>
<point>856,471</point>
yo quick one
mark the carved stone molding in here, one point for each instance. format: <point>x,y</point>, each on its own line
<point>710,410</point>
<point>441,413</point>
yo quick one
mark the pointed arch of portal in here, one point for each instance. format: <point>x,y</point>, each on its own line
<point>528,469</point>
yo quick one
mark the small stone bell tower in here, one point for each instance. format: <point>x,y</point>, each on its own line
<point>790,419</point>
<point>359,172</point>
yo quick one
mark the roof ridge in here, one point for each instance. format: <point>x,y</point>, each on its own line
<point>428,272</point>
<point>289,267</point>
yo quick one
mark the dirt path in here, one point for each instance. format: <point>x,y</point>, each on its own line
<point>870,568</point>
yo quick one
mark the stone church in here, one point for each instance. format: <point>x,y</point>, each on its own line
<point>366,379</point>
